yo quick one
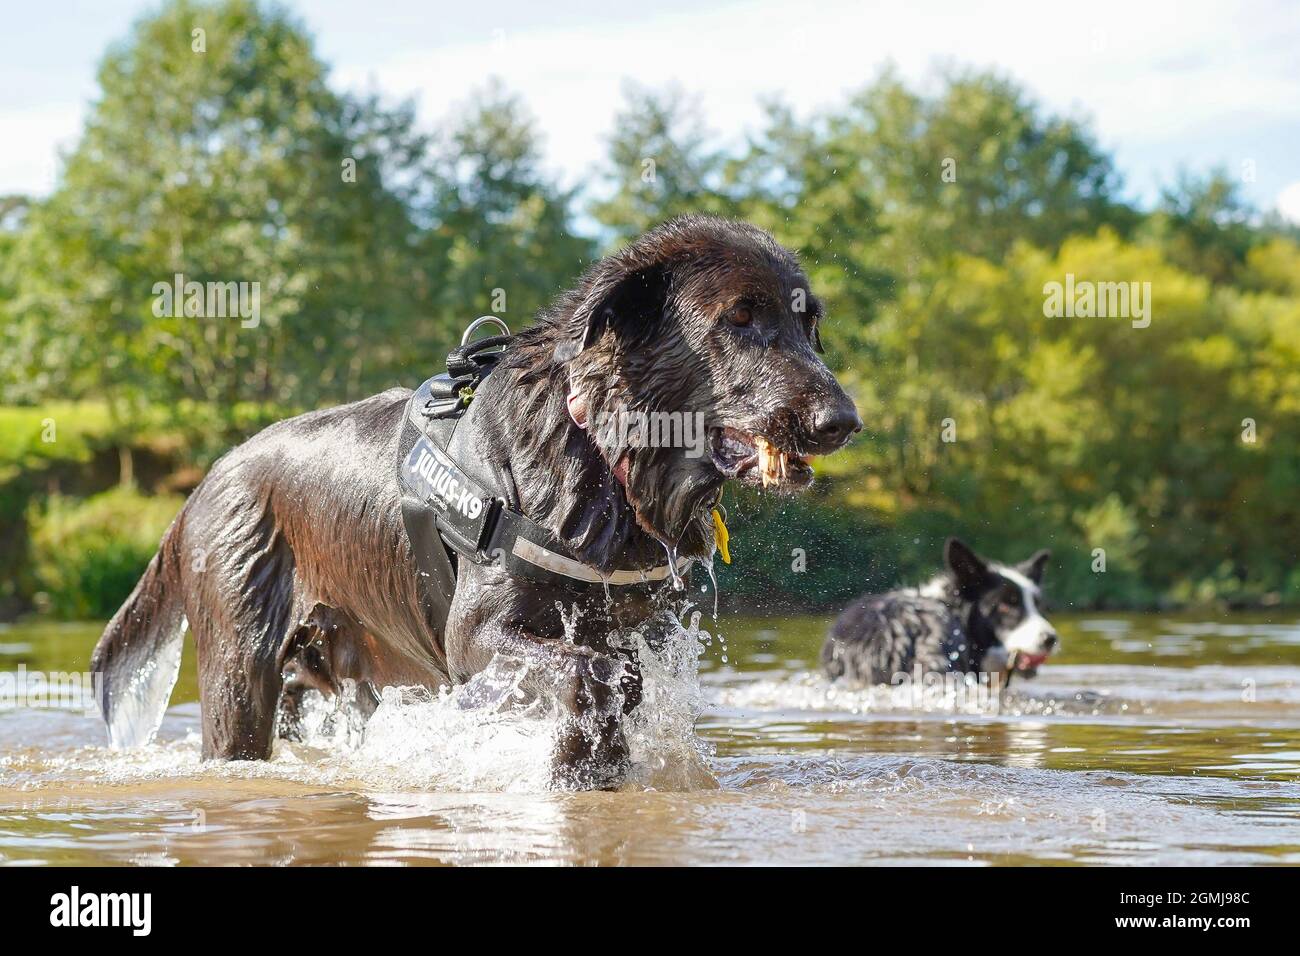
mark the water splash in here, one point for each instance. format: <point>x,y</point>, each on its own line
<point>480,735</point>
<point>569,617</point>
<point>137,709</point>
<point>947,694</point>
<point>713,580</point>
<point>673,571</point>
<point>489,734</point>
<point>667,754</point>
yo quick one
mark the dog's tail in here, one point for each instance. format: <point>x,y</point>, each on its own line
<point>138,657</point>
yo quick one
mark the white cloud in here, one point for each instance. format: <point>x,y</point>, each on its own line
<point>1192,83</point>
<point>1288,203</point>
<point>1147,74</point>
<point>29,159</point>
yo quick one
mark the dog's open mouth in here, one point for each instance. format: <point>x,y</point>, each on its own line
<point>1027,664</point>
<point>756,460</point>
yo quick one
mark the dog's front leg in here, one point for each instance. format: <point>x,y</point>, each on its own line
<point>586,683</point>
<point>590,751</point>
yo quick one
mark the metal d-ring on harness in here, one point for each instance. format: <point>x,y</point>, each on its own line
<point>464,510</point>
<point>467,365</point>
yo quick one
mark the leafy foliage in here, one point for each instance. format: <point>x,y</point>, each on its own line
<point>88,554</point>
<point>930,221</point>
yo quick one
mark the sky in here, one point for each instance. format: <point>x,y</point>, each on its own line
<point>1189,85</point>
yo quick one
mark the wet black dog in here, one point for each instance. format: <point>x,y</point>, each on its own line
<point>976,616</point>
<point>291,565</point>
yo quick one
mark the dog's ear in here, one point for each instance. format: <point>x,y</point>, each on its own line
<point>968,568</point>
<point>631,303</point>
<point>1034,567</point>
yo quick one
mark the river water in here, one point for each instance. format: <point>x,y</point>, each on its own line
<point>1151,739</point>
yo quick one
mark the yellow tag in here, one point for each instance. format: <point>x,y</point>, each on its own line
<point>721,535</point>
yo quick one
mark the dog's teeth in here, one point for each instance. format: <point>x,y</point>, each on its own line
<point>771,462</point>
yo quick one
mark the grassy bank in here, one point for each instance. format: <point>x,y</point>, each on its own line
<point>86,498</point>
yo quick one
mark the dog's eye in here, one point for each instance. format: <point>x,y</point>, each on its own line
<point>740,315</point>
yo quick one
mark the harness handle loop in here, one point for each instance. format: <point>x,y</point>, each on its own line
<point>470,361</point>
<point>479,323</point>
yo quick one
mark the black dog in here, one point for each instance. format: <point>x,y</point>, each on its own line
<point>976,616</point>
<point>292,566</point>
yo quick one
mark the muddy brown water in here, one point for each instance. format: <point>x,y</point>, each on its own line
<point>1152,739</point>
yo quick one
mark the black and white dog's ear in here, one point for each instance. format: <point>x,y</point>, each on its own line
<point>628,302</point>
<point>969,570</point>
<point>1034,567</point>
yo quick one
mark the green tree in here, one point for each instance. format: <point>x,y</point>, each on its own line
<point>800,181</point>
<point>660,164</point>
<point>16,339</point>
<point>497,222</point>
<point>215,150</point>
<point>1204,224</point>
<point>981,167</point>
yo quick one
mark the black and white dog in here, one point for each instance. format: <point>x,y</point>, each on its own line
<point>975,616</point>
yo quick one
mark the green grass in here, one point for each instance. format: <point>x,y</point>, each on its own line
<point>55,431</point>
<point>87,554</point>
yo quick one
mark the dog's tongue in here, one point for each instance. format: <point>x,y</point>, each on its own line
<point>578,409</point>
<point>1029,662</point>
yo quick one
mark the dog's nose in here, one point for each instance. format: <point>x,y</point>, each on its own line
<point>1049,641</point>
<point>834,425</point>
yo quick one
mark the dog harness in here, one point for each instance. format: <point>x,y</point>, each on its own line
<point>450,513</point>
